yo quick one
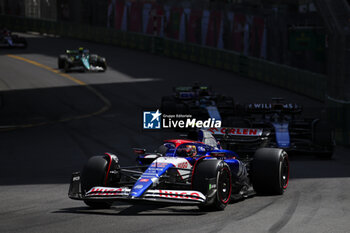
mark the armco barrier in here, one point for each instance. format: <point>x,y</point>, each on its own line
<point>300,81</point>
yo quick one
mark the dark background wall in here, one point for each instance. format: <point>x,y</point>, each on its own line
<point>285,21</point>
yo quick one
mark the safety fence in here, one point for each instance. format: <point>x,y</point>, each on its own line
<point>300,81</point>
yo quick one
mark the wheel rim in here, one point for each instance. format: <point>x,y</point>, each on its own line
<point>224,185</point>
<point>284,172</point>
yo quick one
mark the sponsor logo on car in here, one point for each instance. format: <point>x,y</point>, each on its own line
<point>156,164</point>
<point>236,131</point>
<point>180,195</point>
<point>268,106</point>
<point>183,165</point>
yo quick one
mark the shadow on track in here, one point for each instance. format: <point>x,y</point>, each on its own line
<point>135,210</point>
<point>50,153</point>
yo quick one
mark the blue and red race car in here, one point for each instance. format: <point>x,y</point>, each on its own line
<point>9,40</point>
<point>191,172</point>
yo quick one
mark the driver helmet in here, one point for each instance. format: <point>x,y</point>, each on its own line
<point>204,91</point>
<point>83,51</point>
<point>187,151</point>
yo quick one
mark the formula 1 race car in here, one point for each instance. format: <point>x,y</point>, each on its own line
<point>188,172</point>
<point>200,102</point>
<point>279,125</point>
<point>9,40</point>
<point>82,60</point>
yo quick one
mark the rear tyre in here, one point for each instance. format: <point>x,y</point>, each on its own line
<point>61,61</point>
<point>270,171</point>
<point>94,174</point>
<point>102,62</point>
<point>213,179</point>
<point>66,66</point>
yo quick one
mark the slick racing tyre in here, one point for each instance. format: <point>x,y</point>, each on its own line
<point>102,63</point>
<point>66,66</point>
<point>94,174</point>
<point>61,61</point>
<point>95,60</point>
<point>212,177</point>
<point>270,171</point>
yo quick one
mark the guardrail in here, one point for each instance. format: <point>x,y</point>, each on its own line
<point>300,81</point>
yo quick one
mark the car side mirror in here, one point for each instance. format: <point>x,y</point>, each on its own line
<point>139,151</point>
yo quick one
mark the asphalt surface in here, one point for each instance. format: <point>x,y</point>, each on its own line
<point>61,122</point>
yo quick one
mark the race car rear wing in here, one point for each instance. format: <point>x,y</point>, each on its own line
<point>241,140</point>
<point>225,131</point>
<point>276,105</point>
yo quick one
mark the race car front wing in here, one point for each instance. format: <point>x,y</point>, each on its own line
<point>189,197</point>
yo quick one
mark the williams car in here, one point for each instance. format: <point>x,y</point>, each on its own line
<point>278,124</point>
<point>10,40</point>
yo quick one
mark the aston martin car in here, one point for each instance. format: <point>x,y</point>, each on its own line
<point>81,60</point>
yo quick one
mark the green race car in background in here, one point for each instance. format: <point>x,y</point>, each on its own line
<point>82,60</point>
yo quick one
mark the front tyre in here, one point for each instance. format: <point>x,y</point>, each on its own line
<point>213,179</point>
<point>66,67</point>
<point>270,171</point>
<point>61,61</point>
<point>103,63</point>
<point>94,174</point>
